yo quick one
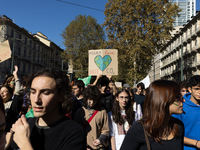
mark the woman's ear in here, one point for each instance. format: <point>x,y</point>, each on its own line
<point>117,99</point>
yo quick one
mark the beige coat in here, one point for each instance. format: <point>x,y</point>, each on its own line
<point>98,125</point>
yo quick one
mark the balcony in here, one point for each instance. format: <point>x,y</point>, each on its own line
<point>184,40</point>
<point>188,37</point>
<point>193,34</point>
<point>198,30</point>
<point>194,49</point>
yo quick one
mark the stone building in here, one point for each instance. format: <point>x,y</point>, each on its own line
<point>184,44</point>
<point>30,52</point>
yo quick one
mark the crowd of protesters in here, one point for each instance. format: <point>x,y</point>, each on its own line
<point>44,111</point>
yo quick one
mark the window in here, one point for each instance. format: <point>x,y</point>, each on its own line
<point>25,52</point>
<point>34,56</point>
<point>34,46</point>
<point>12,33</point>
<point>30,43</point>
<point>30,53</point>
<point>29,68</point>
<point>25,40</point>
<point>24,68</point>
<point>19,50</point>
<point>20,36</point>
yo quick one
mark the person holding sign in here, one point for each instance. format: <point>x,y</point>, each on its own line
<point>102,83</point>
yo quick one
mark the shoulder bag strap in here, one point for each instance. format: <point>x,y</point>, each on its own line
<point>146,137</point>
<point>90,119</point>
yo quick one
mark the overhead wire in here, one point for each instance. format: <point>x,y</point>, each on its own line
<point>81,5</point>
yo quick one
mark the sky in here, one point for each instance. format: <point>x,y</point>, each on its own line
<point>50,17</point>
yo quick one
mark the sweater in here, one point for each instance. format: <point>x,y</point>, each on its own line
<point>191,120</point>
<point>135,139</point>
<point>64,134</point>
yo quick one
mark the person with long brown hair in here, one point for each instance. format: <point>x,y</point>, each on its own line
<point>121,117</point>
<point>2,125</point>
<point>164,132</point>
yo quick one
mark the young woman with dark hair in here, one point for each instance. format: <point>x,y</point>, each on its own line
<point>164,132</point>
<point>2,125</point>
<point>94,119</point>
<point>121,118</point>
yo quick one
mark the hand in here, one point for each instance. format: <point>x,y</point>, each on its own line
<point>96,142</point>
<point>198,144</point>
<point>15,72</point>
<point>21,132</point>
<point>109,76</point>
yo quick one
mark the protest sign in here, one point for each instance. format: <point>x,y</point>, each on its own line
<point>103,61</point>
<point>118,84</point>
<point>5,52</point>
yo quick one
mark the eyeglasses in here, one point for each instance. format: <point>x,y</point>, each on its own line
<point>122,97</point>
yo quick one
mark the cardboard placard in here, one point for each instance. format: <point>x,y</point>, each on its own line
<point>118,84</point>
<point>103,61</point>
<point>5,52</point>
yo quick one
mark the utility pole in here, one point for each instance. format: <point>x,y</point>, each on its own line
<point>13,51</point>
<point>181,56</point>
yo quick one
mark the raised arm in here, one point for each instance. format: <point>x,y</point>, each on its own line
<point>97,78</point>
<point>17,81</point>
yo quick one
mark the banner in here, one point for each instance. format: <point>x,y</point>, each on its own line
<point>5,52</point>
<point>103,61</point>
<point>146,81</point>
<point>86,80</point>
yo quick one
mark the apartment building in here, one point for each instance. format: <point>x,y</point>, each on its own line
<point>184,44</point>
<point>154,73</point>
<point>30,52</point>
<point>188,10</point>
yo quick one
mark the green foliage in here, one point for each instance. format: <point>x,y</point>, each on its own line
<point>81,35</point>
<point>138,29</point>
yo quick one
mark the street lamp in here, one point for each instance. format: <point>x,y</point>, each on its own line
<point>181,33</point>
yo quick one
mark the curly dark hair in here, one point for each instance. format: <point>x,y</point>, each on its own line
<point>92,93</point>
<point>62,85</point>
<point>116,112</point>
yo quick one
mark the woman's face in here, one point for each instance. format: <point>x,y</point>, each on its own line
<point>2,130</point>
<point>12,83</point>
<point>177,106</point>
<point>123,99</point>
<point>5,94</point>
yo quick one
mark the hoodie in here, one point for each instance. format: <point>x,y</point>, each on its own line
<point>190,119</point>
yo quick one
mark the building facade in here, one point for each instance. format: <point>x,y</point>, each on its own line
<point>30,52</point>
<point>184,45</point>
<point>154,73</point>
<point>188,10</point>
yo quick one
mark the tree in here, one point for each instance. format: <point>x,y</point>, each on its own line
<point>81,35</point>
<point>138,29</point>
